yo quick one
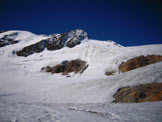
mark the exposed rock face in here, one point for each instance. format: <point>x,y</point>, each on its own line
<point>8,39</point>
<point>76,66</point>
<point>34,48</point>
<point>139,62</point>
<point>74,37</point>
<point>55,42</point>
<point>141,93</point>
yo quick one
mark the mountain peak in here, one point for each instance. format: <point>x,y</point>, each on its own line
<point>70,38</point>
<point>38,43</point>
<point>56,41</point>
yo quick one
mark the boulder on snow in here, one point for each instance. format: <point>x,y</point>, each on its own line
<point>139,61</point>
<point>66,67</point>
<point>108,73</point>
<point>55,42</point>
<point>140,93</point>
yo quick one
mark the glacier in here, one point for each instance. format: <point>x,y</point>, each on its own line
<point>29,95</point>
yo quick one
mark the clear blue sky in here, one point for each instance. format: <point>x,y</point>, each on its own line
<point>128,22</point>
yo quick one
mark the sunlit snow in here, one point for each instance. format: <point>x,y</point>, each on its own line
<point>29,95</point>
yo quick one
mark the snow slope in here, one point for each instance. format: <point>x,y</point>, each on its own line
<point>22,82</point>
<point>49,112</point>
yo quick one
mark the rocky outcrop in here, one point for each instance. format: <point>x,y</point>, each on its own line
<point>141,93</point>
<point>74,37</point>
<point>34,48</point>
<point>8,39</point>
<point>66,67</point>
<point>2,31</point>
<point>55,42</point>
<point>139,62</point>
<point>108,73</point>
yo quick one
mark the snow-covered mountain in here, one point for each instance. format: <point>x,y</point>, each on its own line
<point>22,80</point>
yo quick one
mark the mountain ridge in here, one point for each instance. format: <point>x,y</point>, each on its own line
<point>83,79</point>
<point>101,57</point>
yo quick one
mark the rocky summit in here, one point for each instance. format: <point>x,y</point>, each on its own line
<point>54,42</point>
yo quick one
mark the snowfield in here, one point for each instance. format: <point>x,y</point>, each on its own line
<point>29,95</point>
<point>49,112</point>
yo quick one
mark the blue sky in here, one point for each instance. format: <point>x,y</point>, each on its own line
<point>128,22</point>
